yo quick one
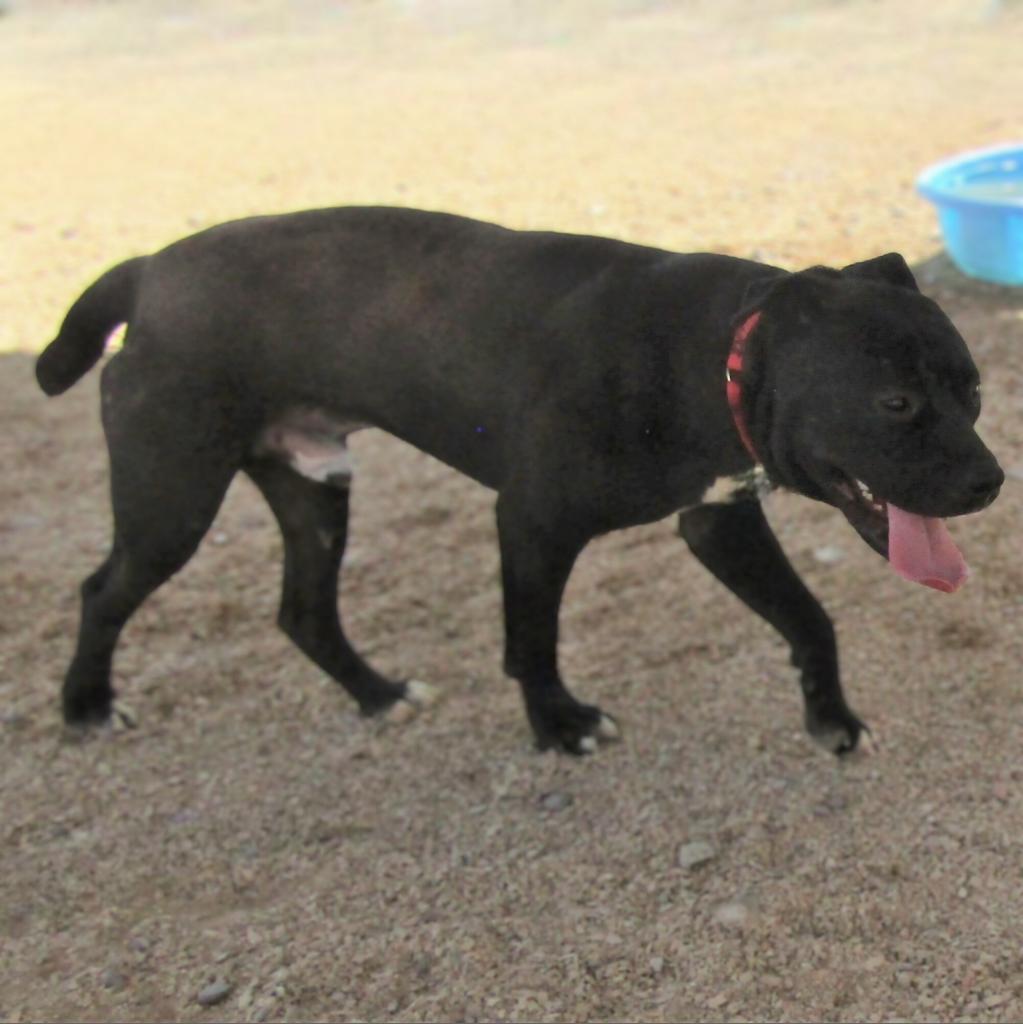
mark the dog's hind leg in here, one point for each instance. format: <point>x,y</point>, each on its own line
<point>167,482</point>
<point>313,517</point>
<point>735,542</point>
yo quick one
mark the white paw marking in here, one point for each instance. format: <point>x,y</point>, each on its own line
<point>418,696</point>
<point>869,745</point>
<point>607,729</point>
<point>421,694</point>
<point>832,740</point>
<point>122,717</point>
<point>121,720</point>
<point>588,744</point>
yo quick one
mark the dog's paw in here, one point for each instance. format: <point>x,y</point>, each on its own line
<point>119,718</point>
<point>869,745</point>
<point>417,697</point>
<point>839,732</point>
<point>573,728</point>
<point>122,717</point>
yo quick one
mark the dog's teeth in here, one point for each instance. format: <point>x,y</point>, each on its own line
<point>868,496</point>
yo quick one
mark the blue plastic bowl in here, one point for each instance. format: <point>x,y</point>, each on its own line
<point>979,196</point>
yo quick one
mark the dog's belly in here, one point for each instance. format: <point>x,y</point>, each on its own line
<point>313,443</point>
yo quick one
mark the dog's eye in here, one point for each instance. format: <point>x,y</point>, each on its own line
<point>896,403</point>
<point>974,400</point>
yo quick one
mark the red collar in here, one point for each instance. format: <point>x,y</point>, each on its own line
<point>733,380</point>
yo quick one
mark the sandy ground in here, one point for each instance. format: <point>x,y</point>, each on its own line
<point>253,830</point>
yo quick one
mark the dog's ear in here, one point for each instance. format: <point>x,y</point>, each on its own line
<point>889,269</point>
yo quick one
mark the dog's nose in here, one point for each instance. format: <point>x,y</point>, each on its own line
<point>986,484</point>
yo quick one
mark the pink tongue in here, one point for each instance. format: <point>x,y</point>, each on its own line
<point>921,550</point>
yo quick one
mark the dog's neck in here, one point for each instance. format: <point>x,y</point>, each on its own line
<point>734,382</point>
<point>753,483</point>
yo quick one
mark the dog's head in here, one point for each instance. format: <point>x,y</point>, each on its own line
<point>865,397</point>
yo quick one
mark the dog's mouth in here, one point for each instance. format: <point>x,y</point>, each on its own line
<point>919,548</point>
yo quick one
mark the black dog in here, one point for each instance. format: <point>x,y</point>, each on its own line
<point>583,379</point>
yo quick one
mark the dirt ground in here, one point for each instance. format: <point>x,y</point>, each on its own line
<point>254,830</point>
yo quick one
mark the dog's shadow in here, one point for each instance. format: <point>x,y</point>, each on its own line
<point>938,275</point>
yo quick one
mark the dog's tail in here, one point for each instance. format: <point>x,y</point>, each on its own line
<point>104,305</point>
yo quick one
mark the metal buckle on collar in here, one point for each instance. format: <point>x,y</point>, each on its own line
<point>754,484</point>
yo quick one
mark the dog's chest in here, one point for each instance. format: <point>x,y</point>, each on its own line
<point>752,485</point>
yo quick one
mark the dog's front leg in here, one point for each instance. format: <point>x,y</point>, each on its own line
<point>735,542</point>
<point>537,555</point>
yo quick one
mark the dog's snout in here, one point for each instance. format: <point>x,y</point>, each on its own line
<point>986,484</point>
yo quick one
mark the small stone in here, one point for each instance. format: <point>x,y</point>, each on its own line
<point>13,720</point>
<point>113,979</point>
<point>692,855</point>
<point>731,915</point>
<point>219,537</point>
<point>556,801</point>
<point>997,999</point>
<point>214,993</point>
<point>716,1002</point>
<point>829,554</point>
